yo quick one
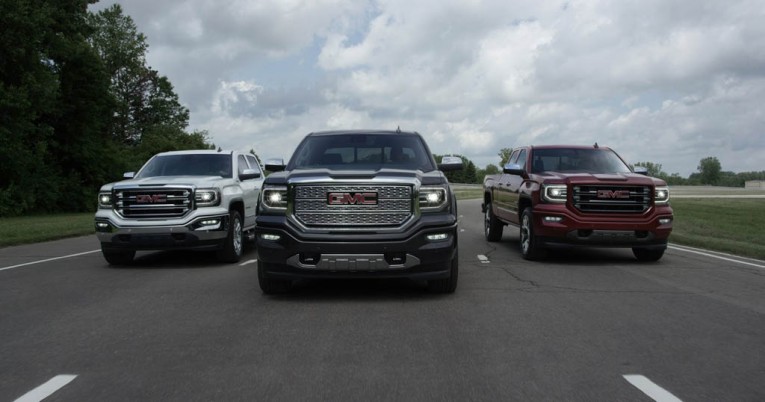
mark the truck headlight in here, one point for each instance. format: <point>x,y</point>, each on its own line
<point>556,193</point>
<point>661,195</point>
<point>432,198</point>
<point>104,200</point>
<point>274,198</point>
<point>206,197</point>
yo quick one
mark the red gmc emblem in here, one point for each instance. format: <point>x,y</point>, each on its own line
<point>352,198</point>
<point>150,198</point>
<point>613,194</point>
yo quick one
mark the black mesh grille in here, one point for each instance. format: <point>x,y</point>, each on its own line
<point>616,199</point>
<point>353,205</point>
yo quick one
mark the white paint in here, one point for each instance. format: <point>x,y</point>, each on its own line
<point>650,388</point>
<point>248,262</point>
<point>49,259</point>
<point>484,259</point>
<point>45,390</point>
<point>719,257</point>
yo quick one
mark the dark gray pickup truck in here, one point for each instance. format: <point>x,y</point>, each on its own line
<point>358,204</point>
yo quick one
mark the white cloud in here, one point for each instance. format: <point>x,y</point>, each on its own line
<point>667,82</point>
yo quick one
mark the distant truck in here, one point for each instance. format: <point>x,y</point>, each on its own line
<point>358,204</point>
<point>565,195</point>
<point>200,199</point>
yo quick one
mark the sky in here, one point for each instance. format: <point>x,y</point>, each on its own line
<point>663,81</point>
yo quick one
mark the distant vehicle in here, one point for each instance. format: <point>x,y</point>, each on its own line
<point>358,204</point>
<point>577,196</point>
<point>200,199</point>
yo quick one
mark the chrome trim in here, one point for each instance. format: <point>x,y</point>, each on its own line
<point>353,262</point>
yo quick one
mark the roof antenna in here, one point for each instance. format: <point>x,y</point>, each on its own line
<point>596,145</point>
<point>398,129</point>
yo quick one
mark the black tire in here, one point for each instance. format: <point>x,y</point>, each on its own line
<point>117,256</point>
<point>234,244</point>
<point>529,242</point>
<point>648,254</point>
<point>271,286</point>
<point>447,285</point>
<point>492,227</point>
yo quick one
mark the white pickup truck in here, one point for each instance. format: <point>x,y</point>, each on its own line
<point>199,199</point>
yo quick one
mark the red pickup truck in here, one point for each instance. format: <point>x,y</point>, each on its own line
<point>566,195</point>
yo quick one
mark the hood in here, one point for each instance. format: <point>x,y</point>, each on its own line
<point>601,178</point>
<point>158,181</point>
<point>374,176</point>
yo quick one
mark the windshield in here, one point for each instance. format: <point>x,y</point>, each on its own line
<point>592,160</point>
<point>187,165</point>
<point>361,152</point>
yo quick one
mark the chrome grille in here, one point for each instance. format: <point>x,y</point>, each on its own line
<point>393,206</point>
<point>615,199</point>
<point>153,202</point>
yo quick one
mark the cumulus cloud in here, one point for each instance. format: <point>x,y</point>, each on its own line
<point>667,82</point>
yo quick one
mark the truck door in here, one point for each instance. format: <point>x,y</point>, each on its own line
<point>250,188</point>
<point>513,188</point>
<point>502,197</point>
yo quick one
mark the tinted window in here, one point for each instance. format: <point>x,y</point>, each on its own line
<point>593,160</point>
<point>187,165</point>
<point>253,163</point>
<point>362,151</point>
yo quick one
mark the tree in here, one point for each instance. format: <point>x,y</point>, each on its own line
<point>654,169</point>
<point>709,170</point>
<point>504,155</point>
<point>466,175</point>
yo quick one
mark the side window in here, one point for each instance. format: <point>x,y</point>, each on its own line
<point>522,159</point>
<point>242,164</point>
<point>513,157</point>
<point>253,163</point>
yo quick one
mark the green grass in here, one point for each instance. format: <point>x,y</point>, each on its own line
<point>735,226</point>
<point>34,229</point>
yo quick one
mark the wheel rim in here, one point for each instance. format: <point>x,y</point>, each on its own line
<point>237,237</point>
<point>525,234</point>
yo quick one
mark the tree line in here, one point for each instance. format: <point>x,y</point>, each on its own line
<point>78,105</point>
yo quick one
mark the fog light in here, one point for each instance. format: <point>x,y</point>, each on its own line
<point>664,221</point>
<point>270,237</point>
<point>437,236</point>
<point>553,219</point>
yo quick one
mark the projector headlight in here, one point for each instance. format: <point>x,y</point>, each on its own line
<point>432,199</point>
<point>661,195</point>
<point>274,198</point>
<point>105,200</point>
<point>554,193</point>
<point>206,197</point>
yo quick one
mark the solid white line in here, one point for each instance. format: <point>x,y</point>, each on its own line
<point>45,390</point>
<point>248,262</point>
<point>484,259</point>
<point>650,388</point>
<point>694,251</point>
<point>49,259</point>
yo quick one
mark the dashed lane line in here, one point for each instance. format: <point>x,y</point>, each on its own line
<point>484,259</point>
<point>47,389</point>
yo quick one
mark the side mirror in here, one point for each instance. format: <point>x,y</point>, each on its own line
<point>248,174</point>
<point>640,170</point>
<point>128,175</point>
<point>513,168</point>
<point>275,165</point>
<point>449,163</point>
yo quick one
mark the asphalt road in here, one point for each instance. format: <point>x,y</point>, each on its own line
<point>585,325</point>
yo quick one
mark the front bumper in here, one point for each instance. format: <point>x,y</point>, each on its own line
<point>423,251</point>
<point>556,225</point>
<point>202,231</point>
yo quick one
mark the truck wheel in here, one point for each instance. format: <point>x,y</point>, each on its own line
<point>117,256</point>
<point>447,285</point>
<point>232,247</point>
<point>271,286</point>
<point>530,247</point>
<point>647,254</point>
<point>491,225</point>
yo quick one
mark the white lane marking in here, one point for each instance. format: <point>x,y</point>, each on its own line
<point>696,251</point>
<point>484,259</point>
<point>650,388</point>
<point>248,262</point>
<point>49,259</point>
<point>45,390</point>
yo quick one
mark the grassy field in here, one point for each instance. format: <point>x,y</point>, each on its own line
<point>735,226</point>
